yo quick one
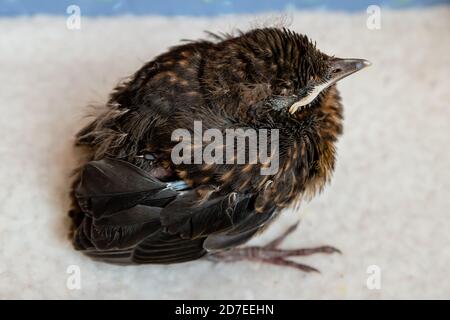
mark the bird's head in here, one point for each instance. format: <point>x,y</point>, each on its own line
<point>299,73</point>
<point>334,69</point>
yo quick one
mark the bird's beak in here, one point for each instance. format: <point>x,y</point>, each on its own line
<point>341,68</point>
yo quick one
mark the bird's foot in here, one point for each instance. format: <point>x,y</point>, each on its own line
<point>270,253</point>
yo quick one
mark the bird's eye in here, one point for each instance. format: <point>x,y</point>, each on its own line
<point>336,70</point>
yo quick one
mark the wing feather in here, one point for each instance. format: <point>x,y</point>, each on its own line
<point>132,217</point>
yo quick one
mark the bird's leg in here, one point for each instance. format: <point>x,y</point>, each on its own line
<point>270,253</point>
<point>278,240</point>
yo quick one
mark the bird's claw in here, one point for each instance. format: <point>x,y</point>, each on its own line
<point>272,255</point>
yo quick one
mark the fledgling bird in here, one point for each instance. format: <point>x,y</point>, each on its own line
<point>133,204</point>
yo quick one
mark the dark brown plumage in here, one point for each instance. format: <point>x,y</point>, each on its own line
<point>128,206</point>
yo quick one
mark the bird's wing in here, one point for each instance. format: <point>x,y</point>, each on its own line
<point>132,217</point>
<point>224,221</point>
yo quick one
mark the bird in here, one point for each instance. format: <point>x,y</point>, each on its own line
<point>133,204</point>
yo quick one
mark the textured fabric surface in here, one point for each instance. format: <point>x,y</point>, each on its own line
<point>388,204</point>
